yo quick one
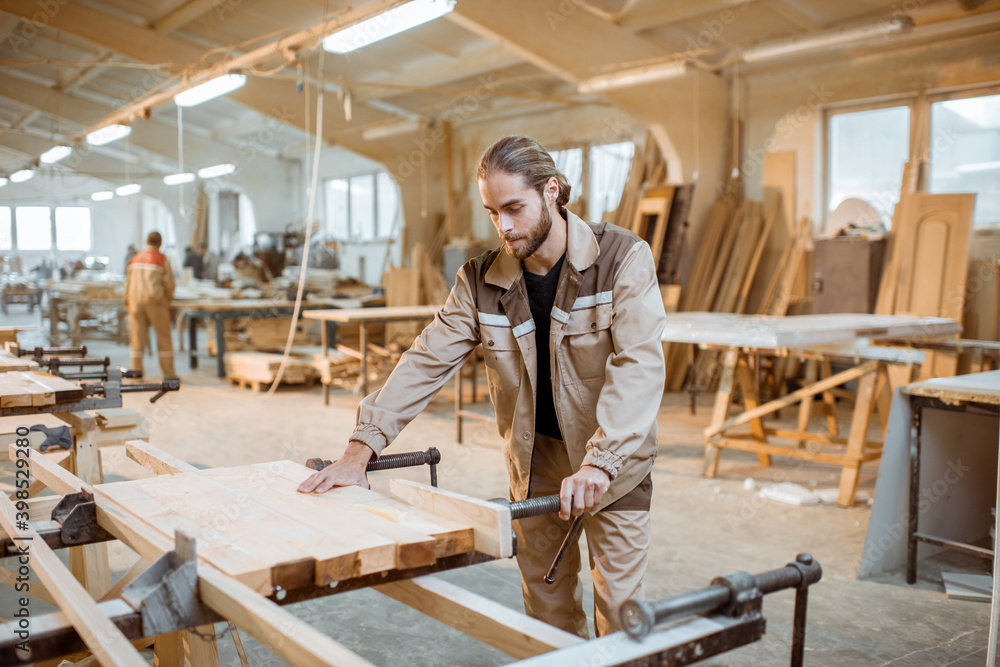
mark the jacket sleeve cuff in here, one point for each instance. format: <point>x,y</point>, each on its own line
<point>607,461</point>
<point>371,435</point>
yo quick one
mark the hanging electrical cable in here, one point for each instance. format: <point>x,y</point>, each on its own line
<point>314,178</point>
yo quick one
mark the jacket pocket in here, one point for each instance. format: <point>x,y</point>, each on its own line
<point>502,357</point>
<point>587,344</point>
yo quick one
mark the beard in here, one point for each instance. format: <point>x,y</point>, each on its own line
<point>534,238</point>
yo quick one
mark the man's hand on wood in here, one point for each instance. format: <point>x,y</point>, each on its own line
<point>582,491</point>
<point>348,470</point>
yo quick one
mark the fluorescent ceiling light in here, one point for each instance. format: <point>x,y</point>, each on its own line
<point>978,167</point>
<point>103,195</point>
<point>55,154</point>
<point>21,176</point>
<point>177,179</point>
<point>107,134</point>
<point>391,130</point>
<point>217,170</point>
<point>130,189</point>
<point>212,88</point>
<point>848,37</point>
<point>632,77</point>
<point>386,24</point>
<point>3,182</point>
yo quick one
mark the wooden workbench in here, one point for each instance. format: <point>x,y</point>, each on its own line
<point>818,338</point>
<point>258,542</point>
<point>220,310</point>
<point>364,317</point>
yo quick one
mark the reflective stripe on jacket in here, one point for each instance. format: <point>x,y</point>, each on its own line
<point>606,357</point>
<point>149,278</point>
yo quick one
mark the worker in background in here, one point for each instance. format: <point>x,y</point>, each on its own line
<point>569,315</point>
<point>250,270</point>
<point>194,259</point>
<point>149,288</point>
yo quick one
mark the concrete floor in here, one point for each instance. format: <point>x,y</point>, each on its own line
<point>701,529</point>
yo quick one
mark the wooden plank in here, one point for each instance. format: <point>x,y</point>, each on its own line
<point>794,397</point>
<point>156,460</point>
<point>779,172</point>
<point>36,589</point>
<point>491,521</point>
<point>856,438</point>
<point>283,633</point>
<point>51,474</point>
<point>772,208</point>
<point>118,417</point>
<point>723,397</point>
<point>490,622</point>
<point>97,631</point>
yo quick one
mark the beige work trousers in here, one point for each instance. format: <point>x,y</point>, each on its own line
<point>618,542</point>
<point>141,316</point>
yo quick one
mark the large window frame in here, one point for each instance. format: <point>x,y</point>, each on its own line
<point>55,245</point>
<point>381,225</point>
<point>919,131</point>
<point>584,186</point>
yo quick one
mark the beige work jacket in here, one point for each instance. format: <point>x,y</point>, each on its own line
<point>606,357</point>
<point>149,279</point>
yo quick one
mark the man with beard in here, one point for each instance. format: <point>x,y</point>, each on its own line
<point>569,314</point>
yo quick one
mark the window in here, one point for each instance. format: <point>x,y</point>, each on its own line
<point>73,228</point>
<point>363,207</point>
<point>867,152</point>
<point>570,163</point>
<point>34,227</point>
<point>965,152</point>
<point>609,167</point>
<point>6,237</point>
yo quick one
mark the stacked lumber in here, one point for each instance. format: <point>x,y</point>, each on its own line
<point>927,260</point>
<point>419,284</point>
<point>726,268</point>
<point>263,334</point>
<point>649,168</point>
<point>259,369</point>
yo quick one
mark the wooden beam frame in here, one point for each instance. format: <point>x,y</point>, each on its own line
<point>483,619</point>
<point>97,631</point>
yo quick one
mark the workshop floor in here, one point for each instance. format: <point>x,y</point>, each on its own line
<point>701,529</point>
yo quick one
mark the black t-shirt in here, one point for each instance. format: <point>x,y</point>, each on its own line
<point>541,297</point>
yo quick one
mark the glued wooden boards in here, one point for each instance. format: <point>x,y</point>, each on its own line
<point>255,526</point>
<point>10,362</point>
<point>34,388</point>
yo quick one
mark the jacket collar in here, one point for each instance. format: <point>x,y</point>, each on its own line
<point>581,251</point>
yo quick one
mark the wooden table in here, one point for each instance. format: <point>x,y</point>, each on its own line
<point>818,338</point>
<point>977,393</point>
<point>20,293</point>
<point>363,317</point>
<point>220,310</point>
<point>74,304</point>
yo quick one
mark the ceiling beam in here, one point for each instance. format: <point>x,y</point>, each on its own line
<point>33,146</point>
<point>182,15</point>
<point>653,13</point>
<point>539,30</point>
<point>150,135</point>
